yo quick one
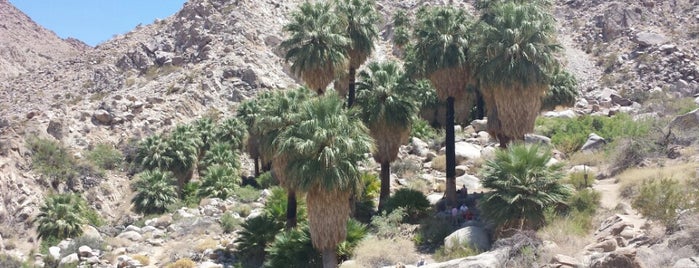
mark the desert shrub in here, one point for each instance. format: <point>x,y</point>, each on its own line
<point>387,225</point>
<point>442,255</point>
<point>440,163</point>
<point>190,194</point>
<point>364,204</point>
<point>568,135</point>
<point>277,203</point>
<point>93,217</point>
<point>52,159</point>
<point>8,261</point>
<point>578,180</point>
<point>524,249</point>
<point>105,156</point>
<point>631,152</point>
<point>204,244</point>
<point>266,180</point>
<point>414,202</point>
<point>661,200</point>
<point>182,263</point>
<point>228,223</point>
<point>406,167</point>
<point>421,129</point>
<point>584,201</point>
<point>293,249</point>
<point>246,194</point>
<point>143,259</point>
<point>377,252</point>
<point>61,216</point>
<point>255,235</point>
<point>433,230</point>
<point>243,210</point>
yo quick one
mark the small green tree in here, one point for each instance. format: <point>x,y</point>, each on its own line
<point>256,234</point>
<point>662,200</point>
<point>523,185</point>
<point>61,216</point>
<point>219,181</point>
<point>105,156</point>
<point>414,202</point>
<point>154,192</point>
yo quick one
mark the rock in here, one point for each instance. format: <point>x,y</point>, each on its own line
<point>69,261</point>
<point>471,182</point>
<point>103,117</point>
<point>686,121</point>
<point>534,138</point>
<point>131,235</point>
<point>616,99</point>
<point>692,262</point>
<point>429,156</point>
<point>419,147</point>
<point>465,151</point>
<point>55,129</point>
<point>594,142</point>
<point>479,125</point>
<point>604,246</point>
<point>91,232</point>
<point>208,264</point>
<point>563,261</point>
<point>646,39</point>
<point>472,236</point>
<point>569,114</point>
<point>625,258</point>
<point>133,228</point>
<point>434,198</point>
<point>458,129</point>
<point>55,252</point>
<point>85,252</point>
<point>92,260</point>
<point>250,77</point>
<point>124,261</point>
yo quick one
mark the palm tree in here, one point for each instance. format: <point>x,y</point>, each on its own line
<point>276,115</point>
<point>401,36</point>
<point>441,54</point>
<point>219,181</point>
<point>324,147</point>
<point>152,153</point>
<point>255,235</point>
<point>232,131</point>
<point>358,19</point>
<point>388,110</point>
<point>154,192</point>
<point>516,56</point>
<point>220,154</point>
<point>248,112</point>
<point>184,146</point>
<point>205,128</point>
<point>562,90</point>
<point>523,187</point>
<point>61,217</point>
<point>316,46</point>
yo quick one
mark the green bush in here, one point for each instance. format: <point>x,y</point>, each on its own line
<point>661,200</point>
<point>578,180</point>
<point>356,231</point>
<point>61,216</point>
<point>154,192</point>
<point>266,180</point>
<point>568,135</point>
<point>219,181</point>
<point>364,204</point>
<point>293,249</point>
<point>387,225</point>
<point>8,261</point>
<point>228,223</point>
<point>247,194</point>
<point>277,203</point>
<point>190,194</point>
<point>585,201</point>
<point>255,235</point>
<point>415,203</point>
<point>93,217</point>
<point>433,230</point>
<point>105,156</point>
<point>421,129</point>
<point>52,159</point>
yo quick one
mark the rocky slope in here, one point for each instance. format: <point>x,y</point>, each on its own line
<point>214,53</point>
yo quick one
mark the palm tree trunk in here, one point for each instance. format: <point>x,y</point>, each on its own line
<point>504,140</point>
<point>256,160</point>
<point>480,105</point>
<point>329,258</point>
<point>450,153</point>
<point>385,184</point>
<point>352,86</point>
<point>291,210</point>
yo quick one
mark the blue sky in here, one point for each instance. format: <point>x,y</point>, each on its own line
<point>95,21</point>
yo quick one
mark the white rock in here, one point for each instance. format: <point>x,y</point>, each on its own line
<point>419,147</point>
<point>131,235</point>
<point>593,142</point>
<point>457,128</point>
<point>55,252</point>
<point>92,232</point>
<point>465,151</point>
<point>479,125</point>
<point>472,236</point>
<point>84,252</point>
<point>133,229</point>
<point>471,182</point>
<point>562,114</point>
<point>68,260</point>
<point>148,229</point>
<point>208,264</point>
<point>434,198</point>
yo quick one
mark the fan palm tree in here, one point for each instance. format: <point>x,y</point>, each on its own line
<point>516,56</point>
<point>248,112</point>
<point>324,147</point>
<point>154,192</point>
<point>152,153</point>
<point>316,46</point>
<point>184,146</point>
<point>440,53</point>
<point>220,153</point>
<point>523,185</point>
<point>61,217</point>
<point>205,128</point>
<point>562,90</point>
<point>276,115</point>
<point>232,131</point>
<point>387,109</point>
<point>401,22</point>
<point>219,181</point>
<point>255,235</point>
<point>358,19</point>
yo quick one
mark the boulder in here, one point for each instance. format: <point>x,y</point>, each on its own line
<point>69,261</point>
<point>102,116</point>
<point>55,129</point>
<point>646,39</point>
<point>564,261</point>
<point>604,246</point>
<point>479,125</point>
<point>568,114</point>
<point>91,232</point>
<point>55,252</point>
<point>85,252</point>
<point>594,142</point>
<point>539,139</point>
<point>125,261</point>
<point>133,228</point>
<point>625,258</point>
<point>465,151</point>
<point>473,236</point>
<point>131,235</point>
<point>686,121</point>
<point>434,198</point>
<point>617,99</point>
<point>471,182</point>
<point>418,147</point>
<point>692,262</point>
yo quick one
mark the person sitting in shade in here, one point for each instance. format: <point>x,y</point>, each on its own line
<point>462,210</point>
<point>454,216</point>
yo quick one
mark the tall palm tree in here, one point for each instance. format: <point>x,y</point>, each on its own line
<point>388,110</point>
<point>515,58</point>
<point>248,111</point>
<point>440,53</point>
<point>523,185</point>
<point>154,192</point>
<point>276,115</point>
<point>358,19</point>
<point>220,153</point>
<point>219,181</point>
<point>184,146</point>
<point>316,46</point>
<point>205,128</point>
<point>61,216</point>
<point>232,131</point>
<point>324,147</point>
<point>152,153</point>
<point>562,90</point>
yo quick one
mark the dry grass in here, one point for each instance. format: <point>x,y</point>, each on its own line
<point>143,259</point>
<point>633,178</point>
<point>559,232</point>
<point>206,243</point>
<point>440,163</point>
<point>182,263</point>
<point>374,252</point>
<point>595,159</point>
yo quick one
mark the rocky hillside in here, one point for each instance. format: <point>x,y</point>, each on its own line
<point>214,53</point>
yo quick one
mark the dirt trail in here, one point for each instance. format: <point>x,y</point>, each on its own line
<point>609,191</point>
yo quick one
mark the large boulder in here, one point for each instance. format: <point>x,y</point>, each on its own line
<point>471,182</point>
<point>131,235</point>
<point>472,236</point>
<point>465,151</point>
<point>687,263</point>
<point>564,261</point>
<point>625,258</point>
<point>646,39</point>
<point>594,142</point>
<point>69,261</point>
<point>686,121</point>
<point>418,147</point>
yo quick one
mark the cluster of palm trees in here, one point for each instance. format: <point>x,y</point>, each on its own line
<point>504,60</point>
<point>205,147</point>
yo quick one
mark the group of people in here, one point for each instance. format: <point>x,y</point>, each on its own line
<point>462,213</point>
